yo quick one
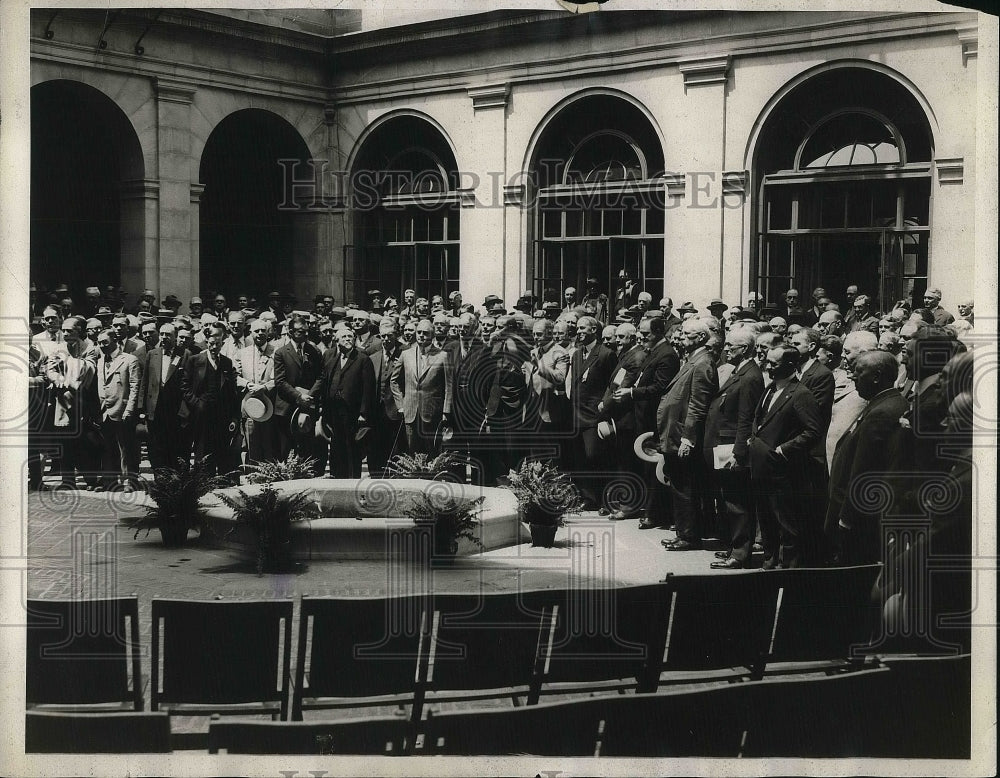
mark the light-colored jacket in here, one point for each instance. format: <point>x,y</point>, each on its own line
<point>427,393</point>
<point>118,385</point>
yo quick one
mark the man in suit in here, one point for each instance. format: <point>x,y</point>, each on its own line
<point>932,302</point>
<point>727,429</point>
<point>161,400</point>
<point>545,371</point>
<point>591,369</point>
<point>118,376</point>
<point>862,318</point>
<point>819,380</point>
<point>787,423</point>
<point>670,319</point>
<point>642,398</point>
<point>816,310</point>
<point>386,418</point>
<point>863,449</point>
<point>346,391</point>
<point>681,426</point>
<point>423,389</point>
<point>208,386</point>
<point>792,312</point>
<point>505,401</point>
<point>129,345</point>
<point>297,365</point>
<point>626,294</point>
<point>631,356</point>
<point>254,366</point>
<point>472,377</point>
<point>597,299</point>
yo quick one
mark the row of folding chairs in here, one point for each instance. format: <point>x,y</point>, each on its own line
<point>234,657</point>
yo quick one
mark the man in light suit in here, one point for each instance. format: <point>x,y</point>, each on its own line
<point>254,366</point>
<point>118,377</point>
<point>787,424</point>
<point>592,366</point>
<point>209,389</point>
<point>729,423</point>
<point>346,391</point>
<point>160,400</point>
<point>423,389</point>
<point>680,421</point>
<point>545,372</point>
<point>386,418</point>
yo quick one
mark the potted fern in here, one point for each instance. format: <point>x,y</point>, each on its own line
<point>269,514</point>
<point>290,468</point>
<point>544,495</point>
<point>176,493</point>
<point>443,466</point>
<point>448,518</point>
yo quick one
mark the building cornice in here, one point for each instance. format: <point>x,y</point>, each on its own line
<point>704,71</point>
<point>492,96</point>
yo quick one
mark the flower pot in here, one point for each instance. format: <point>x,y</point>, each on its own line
<point>173,535</point>
<point>543,534</point>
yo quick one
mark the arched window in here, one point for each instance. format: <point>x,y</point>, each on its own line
<point>844,168</point>
<point>599,205</point>
<point>406,213</point>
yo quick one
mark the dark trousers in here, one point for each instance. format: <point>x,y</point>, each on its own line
<point>78,451</point>
<point>386,441</point>
<point>628,490</point>
<point>687,515</point>
<point>788,535</point>
<point>591,466</point>
<point>120,452</point>
<point>345,452</point>
<point>739,519</point>
<point>282,436</point>
<point>260,439</point>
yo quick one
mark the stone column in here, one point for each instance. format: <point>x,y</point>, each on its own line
<point>178,201</point>
<point>694,232</point>
<point>489,263</point>
<point>139,237</point>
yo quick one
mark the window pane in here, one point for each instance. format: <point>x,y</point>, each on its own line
<point>850,139</point>
<point>654,221</point>
<point>612,222</point>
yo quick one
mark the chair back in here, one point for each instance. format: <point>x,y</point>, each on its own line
<point>83,652</point>
<point>369,736</point>
<point>219,653</point>
<point>96,733</point>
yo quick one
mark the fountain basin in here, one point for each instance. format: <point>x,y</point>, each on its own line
<point>365,518</point>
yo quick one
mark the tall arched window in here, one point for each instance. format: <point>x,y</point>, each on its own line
<point>599,203</point>
<point>406,213</point>
<point>844,169</point>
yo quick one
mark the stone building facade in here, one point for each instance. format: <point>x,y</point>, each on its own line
<point>704,153</point>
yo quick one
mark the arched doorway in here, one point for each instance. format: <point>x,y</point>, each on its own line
<point>599,203</point>
<point>247,242</point>
<point>83,150</point>
<point>844,172</point>
<point>406,213</point>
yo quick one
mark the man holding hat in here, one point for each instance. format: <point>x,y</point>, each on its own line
<point>254,366</point>
<point>160,400</point>
<point>346,391</point>
<point>297,365</point>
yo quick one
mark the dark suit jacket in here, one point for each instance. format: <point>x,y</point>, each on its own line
<point>291,372</point>
<point>682,411</point>
<point>624,412</point>
<point>860,451</point>
<point>819,380</point>
<point>586,392</point>
<point>384,374</point>
<point>731,412</point>
<point>794,315</point>
<point>347,392</point>
<point>657,372</point>
<point>471,381</point>
<point>794,423</point>
<point>210,400</point>
<point>168,395</point>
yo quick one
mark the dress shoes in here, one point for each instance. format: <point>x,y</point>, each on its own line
<point>603,511</point>
<point>647,524</point>
<point>722,555</point>
<point>683,545</point>
<point>727,564</point>
<point>769,564</point>
<point>622,515</point>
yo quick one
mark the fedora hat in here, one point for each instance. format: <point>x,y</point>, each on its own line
<point>257,407</point>
<point>606,429</point>
<point>644,448</point>
<point>443,434</point>
<point>661,475</point>
<point>303,423</point>
<point>362,433</point>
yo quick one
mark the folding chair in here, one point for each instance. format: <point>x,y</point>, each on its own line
<point>602,639</point>
<point>823,616</point>
<point>482,646</point>
<point>48,732</point>
<point>83,654</point>
<point>717,624</point>
<point>358,651</point>
<point>372,736</point>
<point>221,657</point>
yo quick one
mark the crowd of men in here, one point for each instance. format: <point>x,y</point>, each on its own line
<point>770,427</point>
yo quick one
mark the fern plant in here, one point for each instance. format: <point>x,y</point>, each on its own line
<point>449,518</point>
<point>544,493</point>
<point>271,471</point>
<point>269,514</point>
<point>421,465</point>
<point>176,493</point>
